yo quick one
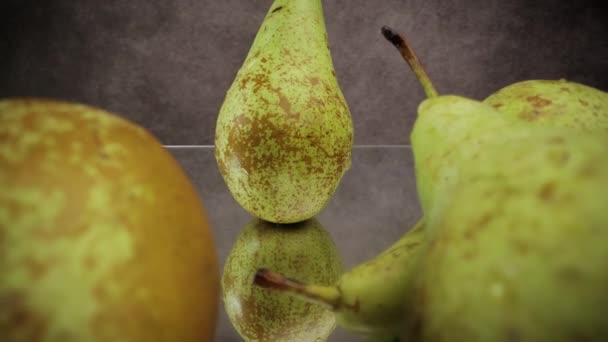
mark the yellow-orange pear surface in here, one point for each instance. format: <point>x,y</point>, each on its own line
<point>102,235</point>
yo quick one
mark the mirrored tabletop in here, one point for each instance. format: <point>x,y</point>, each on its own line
<point>374,205</point>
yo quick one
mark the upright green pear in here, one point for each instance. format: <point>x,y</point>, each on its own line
<point>535,102</point>
<point>554,102</point>
<point>436,144</point>
<point>284,133</point>
<point>518,222</point>
<point>303,249</point>
<point>450,133</point>
<point>518,249</point>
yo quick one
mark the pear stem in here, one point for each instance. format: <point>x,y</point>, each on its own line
<point>326,295</point>
<point>412,60</point>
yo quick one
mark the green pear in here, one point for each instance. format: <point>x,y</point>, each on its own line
<point>450,132</point>
<point>518,249</point>
<point>284,133</point>
<point>554,102</point>
<point>538,102</point>
<point>512,245</point>
<point>518,226</point>
<point>367,299</point>
<point>303,249</point>
<point>436,144</point>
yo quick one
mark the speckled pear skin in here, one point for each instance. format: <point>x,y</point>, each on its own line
<point>303,249</point>
<point>373,292</point>
<point>554,102</point>
<point>437,143</point>
<point>102,235</point>
<point>517,243</point>
<point>284,133</point>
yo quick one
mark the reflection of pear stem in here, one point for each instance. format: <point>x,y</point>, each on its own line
<point>410,57</point>
<point>327,295</point>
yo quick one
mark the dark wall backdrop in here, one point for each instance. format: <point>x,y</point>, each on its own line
<point>167,64</point>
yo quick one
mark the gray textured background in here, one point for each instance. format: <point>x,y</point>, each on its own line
<point>167,64</point>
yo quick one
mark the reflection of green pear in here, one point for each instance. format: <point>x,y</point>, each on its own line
<point>369,298</point>
<point>305,250</point>
<point>554,102</point>
<point>284,133</point>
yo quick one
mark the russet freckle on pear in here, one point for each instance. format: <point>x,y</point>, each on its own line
<point>554,103</point>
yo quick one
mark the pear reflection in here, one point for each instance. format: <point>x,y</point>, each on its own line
<point>301,250</point>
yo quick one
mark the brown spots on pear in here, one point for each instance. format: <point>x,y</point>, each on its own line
<point>90,263</point>
<point>521,247</point>
<point>298,262</point>
<point>343,157</point>
<point>569,274</point>
<point>478,225</point>
<point>284,103</point>
<point>263,130</point>
<point>513,334</point>
<point>538,101</point>
<point>247,323</point>
<point>67,224</point>
<point>547,191</point>
<point>259,81</point>
<point>21,323</point>
<point>240,146</point>
<point>264,315</point>
<point>538,105</point>
<point>242,120</point>
<point>470,254</point>
<point>36,268</point>
<point>558,157</point>
<point>583,102</point>
<point>588,170</point>
<point>415,321</point>
<point>556,140</point>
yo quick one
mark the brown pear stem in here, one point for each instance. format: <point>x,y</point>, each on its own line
<point>412,60</point>
<point>326,295</point>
